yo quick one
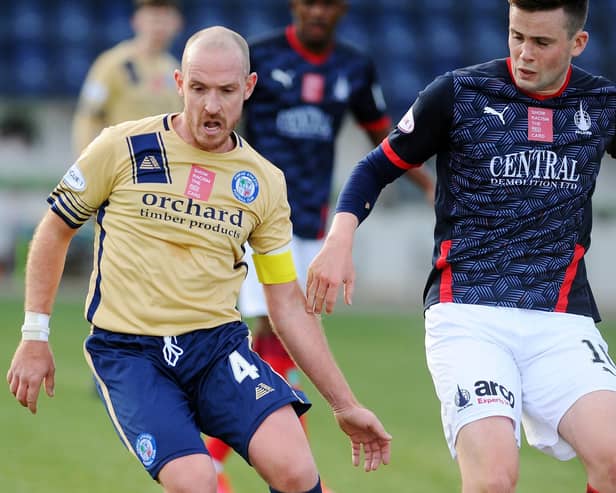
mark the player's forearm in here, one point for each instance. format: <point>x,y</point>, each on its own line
<point>342,230</point>
<point>303,336</point>
<point>46,262</point>
<point>368,178</point>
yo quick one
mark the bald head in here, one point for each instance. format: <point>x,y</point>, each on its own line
<point>217,38</point>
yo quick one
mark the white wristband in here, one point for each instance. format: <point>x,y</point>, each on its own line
<point>35,327</point>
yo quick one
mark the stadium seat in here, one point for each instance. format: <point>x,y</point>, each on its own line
<point>7,87</point>
<point>485,39</point>
<point>72,22</point>
<point>31,72</point>
<point>592,57</point>
<point>401,84</point>
<point>441,42</point>
<point>437,7</point>
<point>485,7</point>
<point>259,22</point>
<point>401,35</point>
<point>202,16</point>
<point>73,65</point>
<point>27,21</point>
<point>113,22</point>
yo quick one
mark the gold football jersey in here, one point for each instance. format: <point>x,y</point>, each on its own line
<point>122,85</point>
<point>170,224</point>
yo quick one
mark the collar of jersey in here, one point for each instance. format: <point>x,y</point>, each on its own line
<point>540,97</point>
<point>296,44</point>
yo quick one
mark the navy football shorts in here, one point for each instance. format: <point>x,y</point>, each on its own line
<point>161,393</point>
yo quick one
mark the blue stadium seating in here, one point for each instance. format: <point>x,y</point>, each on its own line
<point>72,22</point>
<point>32,72</point>
<point>50,43</point>
<point>27,21</point>
<point>485,39</point>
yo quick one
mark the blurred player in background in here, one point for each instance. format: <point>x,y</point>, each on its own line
<point>133,79</point>
<point>176,196</point>
<point>308,82</point>
<point>511,336</point>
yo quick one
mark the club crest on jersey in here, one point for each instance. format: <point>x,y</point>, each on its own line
<point>145,446</point>
<point>245,186</point>
<point>582,121</point>
<point>407,124</point>
<point>342,89</point>
<point>462,398</point>
<point>74,179</point>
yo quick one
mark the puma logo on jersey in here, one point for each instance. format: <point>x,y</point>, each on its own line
<point>262,390</point>
<point>149,162</point>
<point>492,111</point>
<point>285,78</point>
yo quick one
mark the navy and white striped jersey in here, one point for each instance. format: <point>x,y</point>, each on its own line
<point>296,112</point>
<point>516,173</point>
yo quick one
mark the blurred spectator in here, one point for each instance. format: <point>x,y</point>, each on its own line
<point>134,79</point>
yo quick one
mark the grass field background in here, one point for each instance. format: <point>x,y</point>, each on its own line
<point>70,445</point>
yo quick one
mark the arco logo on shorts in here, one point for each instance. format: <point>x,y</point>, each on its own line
<point>489,391</point>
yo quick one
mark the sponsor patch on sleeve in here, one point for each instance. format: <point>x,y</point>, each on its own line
<point>74,179</point>
<point>407,124</point>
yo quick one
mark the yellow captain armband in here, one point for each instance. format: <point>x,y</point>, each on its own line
<point>276,268</point>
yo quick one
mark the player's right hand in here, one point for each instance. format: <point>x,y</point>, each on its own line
<point>333,266</point>
<point>330,269</point>
<point>32,364</point>
<point>366,433</point>
<point>327,272</point>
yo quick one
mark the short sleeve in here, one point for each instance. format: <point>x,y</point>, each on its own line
<point>87,184</point>
<point>424,130</point>
<point>275,229</point>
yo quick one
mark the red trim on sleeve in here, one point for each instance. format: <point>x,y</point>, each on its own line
<point>296,44</point>
<point>565,289</point>
<point>382,123</point>
<point>446,287</point>
<point>394,158</point>
<point>540,97</point>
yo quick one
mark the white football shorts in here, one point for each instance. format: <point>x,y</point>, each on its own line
<point>528,365</point>
<point>252,300</point>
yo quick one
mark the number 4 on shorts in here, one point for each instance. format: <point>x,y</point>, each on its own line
<point>242,368</point>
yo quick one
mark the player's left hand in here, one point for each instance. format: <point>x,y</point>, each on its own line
<point>365,431</point>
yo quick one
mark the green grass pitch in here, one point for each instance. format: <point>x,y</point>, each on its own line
<point>70,445</point>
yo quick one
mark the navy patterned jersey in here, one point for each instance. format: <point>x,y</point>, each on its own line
<point>516,173</point>
<point>296,111</point>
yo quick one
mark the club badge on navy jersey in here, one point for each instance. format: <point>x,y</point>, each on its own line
<point>74,179</point>
<point>342,89</point>
<point>582,121</point>
<point>245,186</point>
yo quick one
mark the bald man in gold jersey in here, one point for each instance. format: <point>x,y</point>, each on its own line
<point>175,199</point>
<point>133,79</point>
